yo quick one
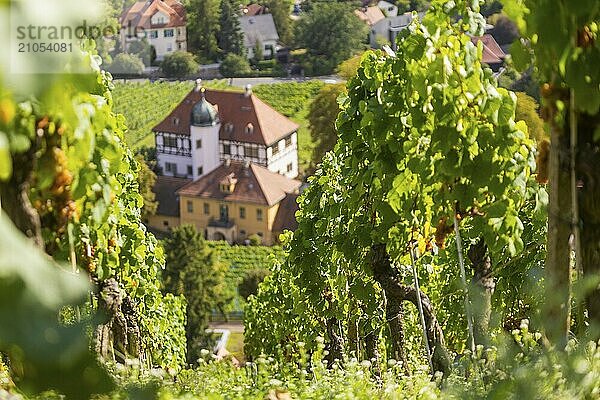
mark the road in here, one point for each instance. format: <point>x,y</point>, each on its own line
<point>242,82</point>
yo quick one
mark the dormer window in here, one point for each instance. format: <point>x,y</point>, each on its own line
<point>227,187</point>
<point>249,128</point>
<point>176,121</point>
<point>229,127</point>
<point>227,184</point>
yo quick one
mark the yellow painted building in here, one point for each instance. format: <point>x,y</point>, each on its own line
<point>233,202</point>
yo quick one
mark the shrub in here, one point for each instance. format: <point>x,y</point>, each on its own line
<point>234,65</point>
<point>347,69</point>
<point>266,64</point>
<point>126,64</point>
<point>255,240</point>
<point>179,64</point>
<point>143,50</point>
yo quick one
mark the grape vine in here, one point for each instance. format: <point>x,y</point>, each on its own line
<point>73,189</point>
<point>424,134</point>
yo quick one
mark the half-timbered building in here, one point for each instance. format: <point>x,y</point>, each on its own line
<point>211,126</point>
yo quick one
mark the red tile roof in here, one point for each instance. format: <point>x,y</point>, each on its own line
<point>165,189</point>
<point>286,214</point>
<point>492,53</point>
<point>370,15</point>
<point>255,184</point>
<point>236,111</point>
<point>255,9</point>
<point>141,12</point>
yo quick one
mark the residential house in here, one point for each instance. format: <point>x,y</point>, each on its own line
<point>387,29</point>
<point>369,15</point>
<point>260,29</point>
<point>389,9</point>
<point>240,199</point>
<point>161,22</point>
<point>210,126</point>
<point>493,55</point>
<point>227,164</point>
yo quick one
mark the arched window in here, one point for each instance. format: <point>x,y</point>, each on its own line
<point>249,128</point>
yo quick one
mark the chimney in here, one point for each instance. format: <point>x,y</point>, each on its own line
<point>198,85</point>
<point>248,90</point>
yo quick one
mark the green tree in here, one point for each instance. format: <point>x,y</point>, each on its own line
<point>231,38</point>
<point>331,33</point>
<point>426,145</point>
<point>412,5</point>
<point>202,29</point>
<point>70,186</point>
<point>179,64</point>
<point>347,69</point>
<point>490,7</point>
<point>565,44</point>
<point>258,52</point>
<point>528,110</point>
<point>193,270</point>
<point>280,10</point>
<point>249,284</point>
<point>142,49</point>
<point>146,180</point>
<point>322,114</point>
<point>234,65</point>
<point>126,64</point>
<point>505,31</point>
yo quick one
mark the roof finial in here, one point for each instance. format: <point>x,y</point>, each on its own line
<point>198,85</point>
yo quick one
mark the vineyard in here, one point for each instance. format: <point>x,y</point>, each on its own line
<point>146,104</point>
<point>241,259</point>
<point>443,249</point>
<point>292,100</point>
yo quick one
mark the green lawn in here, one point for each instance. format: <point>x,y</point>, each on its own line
<point>235,345</point>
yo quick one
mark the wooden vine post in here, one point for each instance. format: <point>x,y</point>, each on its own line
<point>420,307</point>
<point>463,278</point>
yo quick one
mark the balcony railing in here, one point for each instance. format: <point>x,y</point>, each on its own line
<point>221,223</point>
<point>237,157</point>
<point>178,151</point>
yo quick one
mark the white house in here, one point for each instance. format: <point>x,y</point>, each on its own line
<point>210,127</point>
<point>388,28</point>
<point>260,29</point>
<point>161,22</point>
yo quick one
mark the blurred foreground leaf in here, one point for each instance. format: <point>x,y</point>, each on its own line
<point>44,354</point>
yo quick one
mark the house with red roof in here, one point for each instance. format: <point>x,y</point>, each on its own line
<point>161,22</point>
<point>227,162</point>
<point>492,55</point>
